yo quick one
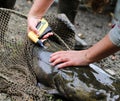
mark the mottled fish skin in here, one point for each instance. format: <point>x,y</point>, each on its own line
<point>89,83</point>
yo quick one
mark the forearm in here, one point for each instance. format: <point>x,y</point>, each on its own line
<point>101,50</point>
<point>40,7</point>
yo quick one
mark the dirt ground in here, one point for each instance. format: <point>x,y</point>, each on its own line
<point>92,26</point>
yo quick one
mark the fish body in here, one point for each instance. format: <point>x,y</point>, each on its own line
<point>88,83</point>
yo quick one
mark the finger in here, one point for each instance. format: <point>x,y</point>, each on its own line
<point>47,35</point>
<point>64,65</point>
<point>53,58</point>
<point>57,53</point>
<point>32,27</point>
<point>58,61</point>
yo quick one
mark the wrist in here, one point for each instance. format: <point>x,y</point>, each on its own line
<point>88,57</point>
<point>34,16</point>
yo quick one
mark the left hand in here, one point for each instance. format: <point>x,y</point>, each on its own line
<point>69,58</point>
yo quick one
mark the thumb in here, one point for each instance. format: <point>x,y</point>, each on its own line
<point>32,27</point>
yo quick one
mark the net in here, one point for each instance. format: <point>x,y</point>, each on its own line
<point>17,77</point>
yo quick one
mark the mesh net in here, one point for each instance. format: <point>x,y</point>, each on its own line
<point>16,75</point>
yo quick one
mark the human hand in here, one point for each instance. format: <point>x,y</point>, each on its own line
<point>69,58</point>
<point>32,22</point>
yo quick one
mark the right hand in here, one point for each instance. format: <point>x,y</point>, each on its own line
<point>32,22</point>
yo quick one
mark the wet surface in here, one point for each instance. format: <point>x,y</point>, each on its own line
<point>77,83</point>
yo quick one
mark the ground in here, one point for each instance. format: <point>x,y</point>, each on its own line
<point>92,26</point>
